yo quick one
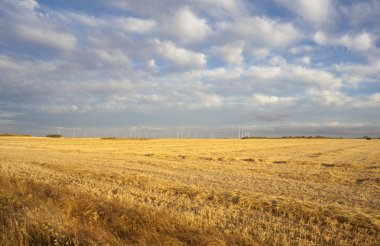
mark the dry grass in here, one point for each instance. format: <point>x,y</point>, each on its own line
<point>189,192</point>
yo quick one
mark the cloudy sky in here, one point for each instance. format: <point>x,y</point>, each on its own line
<point>273,66</point>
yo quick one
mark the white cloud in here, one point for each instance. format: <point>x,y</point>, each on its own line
<point>360,13</point>
<point>113,56</point>
<point>163,56</point>
<point>229,5</point>
<point>58,109</point>
<point>264,73</point>
<point>320,38</point>
<point>371,69</point>
<point>317,12</point>
<point>260,53</point>
<point>373,101</point>
<point>216,74</point>
<point>23,23</point>
<point>9,64</point>
<point>20,66</point>
<point>47,37</point>
<point>107,23</point>
<point>306,59</point>
<point>186,26</point>
<point>330,97</point>
<point>29,4</point>
<point>375,98</point>
<point>204,100</point>
<point>180,56</point>
<point>212,100</point>
<point>261,31</point>
<point>338,99</point>
<point>151,64</point>
<point>359,42</point>
<point>231,53</point>
<point>217,8</point>
<point>266,100</point>
<point>301,49</point>
<point>135,25</point>
<point>352,80</point>
<point>314,77</point>
<point>80,18</point>
<point>277,61</point>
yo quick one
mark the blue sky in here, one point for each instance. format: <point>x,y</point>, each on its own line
<point>277,67</point>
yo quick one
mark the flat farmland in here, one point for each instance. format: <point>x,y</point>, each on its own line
<point>89,191</point>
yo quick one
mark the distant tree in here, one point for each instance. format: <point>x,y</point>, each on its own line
<point>54,135</point>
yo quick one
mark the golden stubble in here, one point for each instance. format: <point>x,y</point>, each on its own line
<point>189,191</point>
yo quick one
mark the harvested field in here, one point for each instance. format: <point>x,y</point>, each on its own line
<point>189,191</point>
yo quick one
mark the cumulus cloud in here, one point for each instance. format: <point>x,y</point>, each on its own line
<point>359,42</point>
<point>151,63</point>
<point>113,56</point>
<point>9,64</point>
<point>301,49</point>
<point>320,38</point>
<point>314,77</point>
<point>29,4</point>
<point>80,18</point>
<point>213,77</point>
<point>47,37</point>
<point>228,5</point>
<point>13,66</point>
<point>186,26</point>
<point>339,99</point>
<point>262,31</point>
<point>26,27</point>
<point>306,59</point>
<point>265,73</point>
<point>212,74</point>
<point>375,98</point>
<point>197,57</point>
<point>294,76</point>
<point>317,12</point>
<point>203,100</point>
<point>266,100</point>
<point>131,24</point>
<point>179,56</point>
<point>359,13</point>
<point>232,53</point>
<point>330,97</point>
<point>260,53</point>
<point>371,69</point>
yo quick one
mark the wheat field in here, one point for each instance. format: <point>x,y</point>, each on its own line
<point>189,191</point>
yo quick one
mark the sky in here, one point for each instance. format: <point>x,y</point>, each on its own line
<point>274,67</point>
